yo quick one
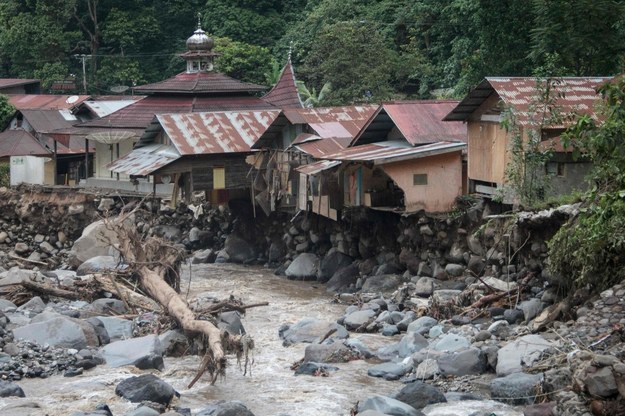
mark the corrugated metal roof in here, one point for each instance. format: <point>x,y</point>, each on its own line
<point>573,95</point>
<point>421,122</point>
<point>393,151</point>
<point>16,82</point>
<point>45,101</point>
<point>284,94</point>
<point>144,161</point>
<point>200,83</point>
<point>316,167</point>
<point>321,148</point>
<point>102,108</point>
<point>20,143</point>
<point>139,115</point>
<point>46,121</point>
<point>350,118</point>
<point>218,132</point>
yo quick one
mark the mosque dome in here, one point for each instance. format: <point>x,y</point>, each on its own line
<point>200,41</point>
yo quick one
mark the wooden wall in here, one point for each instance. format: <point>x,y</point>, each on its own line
<point>487,152</point>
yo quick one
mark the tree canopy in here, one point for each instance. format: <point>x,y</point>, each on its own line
<point>368,50</point>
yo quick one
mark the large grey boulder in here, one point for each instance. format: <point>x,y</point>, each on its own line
<point>97,239</point>
<point>520,353</point>
<point>331,263</point>
<point>462,363</point>
<point>411,343</point>
<point>601,383</point>
<point>336,352</point>
<point>471,408</point>
<point>304,267</point>
<point>387,406</point>
<point>343,278</point>
<point>57,332</point>
<point>143,352</point>
<point>310,330</point>
<point>517,388</point>
<point>225,408</point>
<point>418,395</point>
<point>239,250</point>
<point>146,387</point>
<point>451,343</point>
<point>358,319</point>
<point>99,264</point>
<point>389,371</point>
<point>382,283</point>
<point>10,389</point>
<point>231,322</point>
<point>117,328</point>
<point>422,325</point>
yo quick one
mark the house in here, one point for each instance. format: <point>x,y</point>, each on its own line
<point>37,153</point>
<point>405,159</point>
<point>200,89</point>
<point>199,152</point>
<point>299,136</point>
<point>496,100</point>
<point>19,86</point>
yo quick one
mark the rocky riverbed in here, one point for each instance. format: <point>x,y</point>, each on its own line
<point>378,314</point>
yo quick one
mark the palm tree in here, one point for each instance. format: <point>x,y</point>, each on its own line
<point>311,98</point>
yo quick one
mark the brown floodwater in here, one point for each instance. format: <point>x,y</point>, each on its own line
<point>270,389</point>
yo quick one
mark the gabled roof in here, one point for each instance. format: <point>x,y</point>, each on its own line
<point>139,115</point>
<point>419,122</point>
<point>145,160</point>
<point>102,107</point>
<point>16,82</point>
<point>574,95</point>
<point>218,132</point>
<point>47,121</point>
<point>45,101</point>
<point>333,122</point>
<point>20,143</point>
<point>200,83</point>
<point>284,94</point>
<point>394,151</point>
<point>321,147</point>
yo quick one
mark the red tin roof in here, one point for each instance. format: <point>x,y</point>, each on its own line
<point>16,82</point>
<point>145,160</point>
<point>348,119</point>
<point>20,143</point>
<point>573,95</point>
<point>45,101</point>
<point>284,94</point>
<point>200,83</point>
<point>322,147</point>
<point>217,132</point>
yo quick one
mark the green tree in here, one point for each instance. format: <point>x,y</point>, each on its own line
<point>589,249</point>
<point>243,61</point>
<point>6,111</point>
<point>310,97</point>
<point>354,59</point>
<point>585,35</point>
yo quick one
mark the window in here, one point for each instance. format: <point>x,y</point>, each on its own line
<point>420,179</point>
<point>219,178</point>
<point>554,168</point>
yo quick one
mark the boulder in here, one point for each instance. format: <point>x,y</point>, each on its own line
<point>531,308</point>
<point>422,325</point>
<point>143,411</point>
<point>168,232</point>
<point>140,352</point>
<point>174,343</point>
<point>10,389</point>
<point>601,383</point>
<point>411,343</point>
<point>454,270</point>
<point>310,330</point>
<point>225,408</point>
<point>471,408</point>
<point>451,343</point>
<point>312,369</point>
<point>387,406</point>
<point>277,251</point>
<point>99,264</point>
<point>522,352</point>
<point>57,332</point>
<point>203,256</point>
<point>331,263</point>
<point>516,388</point>
<point>343,278</point>
<point>33,306</point>
<point>304,267</point>
<point>146,387</point>
<point>427,369</point>
<point>358,319</point>
<point>96,240</point>
<point>7,306</point>
<point>424,286</point>
<point>239,250</point>
<point>117,328</point>
<point>381,283</point>
<point>104,306</point>
<point>327,353</point>
<point>231,322</point>
<point>389,371</point>
<point>418,395</point>
<point>462,363</point>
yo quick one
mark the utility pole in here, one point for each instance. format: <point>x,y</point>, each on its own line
<point>84,58</point>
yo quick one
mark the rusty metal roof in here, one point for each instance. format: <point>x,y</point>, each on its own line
<point>322,147</point>
<point>419,122</point>
<point>16,82</point>
<point>394,151</point>
<point>21,143</point>
<point>104,107</point>
<point>45,101</point>
<point>145,160</point>
<point>574,95</point>
<point>200,83</point>
<point>47,121</point>
<point>284,94</point>
<point>316,167</point>
<point>140,114</point>
<point>346,120</point>
<point>218,132</point>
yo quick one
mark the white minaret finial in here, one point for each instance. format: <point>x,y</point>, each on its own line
<point>290,50</point>
<point>199,20</point>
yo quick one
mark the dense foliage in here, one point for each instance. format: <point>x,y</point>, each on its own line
<point>367,50</point>
<point>6,111</point>
<point>589,250</point>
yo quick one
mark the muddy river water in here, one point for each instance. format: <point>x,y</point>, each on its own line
<point>270,389</point>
